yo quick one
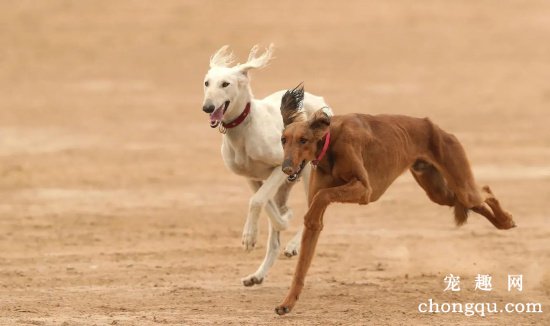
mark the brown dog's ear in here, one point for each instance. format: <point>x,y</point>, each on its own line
<point>291,104</point>
<point>319,123</point>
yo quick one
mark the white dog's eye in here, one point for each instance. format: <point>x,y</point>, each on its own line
<point>225,84</point>
<point>206,83</point>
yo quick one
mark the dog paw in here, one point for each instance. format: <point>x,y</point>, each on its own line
<point>292,249</point>
<point>282,310</point>
<point>291,253</point>
<point>249,239</point>
<point>252,280</point>
<point>508,223</point>
<point>293,246</point>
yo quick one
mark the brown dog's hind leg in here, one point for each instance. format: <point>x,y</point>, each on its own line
<point>435,186</point>
<point>450,159</point>
<point>433,183</point>
<point>492,210</point>
<point>429,178</point>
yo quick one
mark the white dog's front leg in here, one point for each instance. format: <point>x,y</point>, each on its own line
<point>273,244</point>
<point>257,202</point>
<point>293,246</point>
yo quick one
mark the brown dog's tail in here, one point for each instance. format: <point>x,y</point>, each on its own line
<point>461,214</point>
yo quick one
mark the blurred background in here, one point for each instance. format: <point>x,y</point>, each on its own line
<point>115,205</point>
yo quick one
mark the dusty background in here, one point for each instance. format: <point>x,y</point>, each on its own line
<point>115,207</point>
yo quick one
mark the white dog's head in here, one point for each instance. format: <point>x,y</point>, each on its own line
<point>224,84</point>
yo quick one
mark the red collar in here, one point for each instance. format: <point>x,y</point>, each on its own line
<point>239,119</point>
<point>323,151</point>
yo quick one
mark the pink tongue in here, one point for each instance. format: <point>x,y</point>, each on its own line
<point>217,115</point>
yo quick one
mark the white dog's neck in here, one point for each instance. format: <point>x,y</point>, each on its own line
<point>237,106</point>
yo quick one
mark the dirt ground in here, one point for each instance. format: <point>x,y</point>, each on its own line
<point>116,208</point>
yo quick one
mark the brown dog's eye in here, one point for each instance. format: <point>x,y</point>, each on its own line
<point>225,84</point>
<point>303,141</point>
<point>283,140</point>
<point>206,83</point>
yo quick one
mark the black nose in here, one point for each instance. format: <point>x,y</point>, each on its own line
<point>288,170</point>
<point>287,166</point>
<point>208,108</point>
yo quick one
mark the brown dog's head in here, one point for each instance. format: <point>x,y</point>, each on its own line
<point>302,137</point>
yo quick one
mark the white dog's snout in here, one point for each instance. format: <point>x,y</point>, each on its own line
<point>208,106</point>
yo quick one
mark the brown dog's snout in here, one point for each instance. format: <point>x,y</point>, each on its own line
<point>287,166</point>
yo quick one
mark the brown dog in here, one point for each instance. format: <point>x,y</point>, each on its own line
<point>358,156</point>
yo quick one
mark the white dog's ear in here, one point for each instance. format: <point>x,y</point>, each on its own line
<point>222,58</point>
<point>256,62</point>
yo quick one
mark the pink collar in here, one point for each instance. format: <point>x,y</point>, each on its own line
<point>323,151</point>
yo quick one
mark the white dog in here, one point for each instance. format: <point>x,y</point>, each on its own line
<point>252,148</point>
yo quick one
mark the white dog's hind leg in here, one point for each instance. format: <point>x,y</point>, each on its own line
<point>273,245</point>
<point>293,246</point>
<point>258,200</point>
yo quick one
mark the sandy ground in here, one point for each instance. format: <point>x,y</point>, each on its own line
<point>115,206</point>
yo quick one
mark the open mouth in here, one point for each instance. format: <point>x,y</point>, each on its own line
<point>295,176</point>
<point>217,115</point>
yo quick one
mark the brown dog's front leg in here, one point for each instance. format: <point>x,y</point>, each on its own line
<point>351,192</point>
<point>313,225</point>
